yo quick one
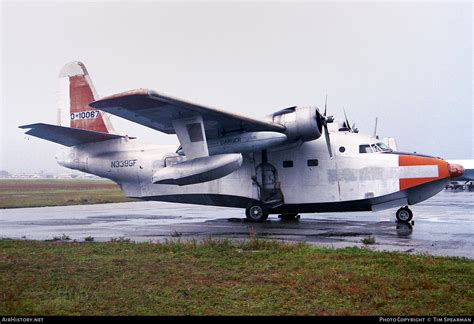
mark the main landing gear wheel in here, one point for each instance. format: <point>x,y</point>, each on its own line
<point>256,212</point>
<point>404,215</point>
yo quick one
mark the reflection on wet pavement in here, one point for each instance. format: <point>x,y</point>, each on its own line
<point>443,225</point>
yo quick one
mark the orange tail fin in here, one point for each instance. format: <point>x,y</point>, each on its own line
<point>76,92</point>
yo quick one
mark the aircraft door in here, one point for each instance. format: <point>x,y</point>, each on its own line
<point>267,181</point>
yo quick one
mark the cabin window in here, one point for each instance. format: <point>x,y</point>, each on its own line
<point>365,148</point>
<point>342,149</point>
<point>313,162</point>
<point>287,164</point>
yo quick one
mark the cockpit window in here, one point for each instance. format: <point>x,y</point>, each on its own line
<point>365,148</point>
<point>376,148</point>
<point>384,147</point>
<point>373,148</point>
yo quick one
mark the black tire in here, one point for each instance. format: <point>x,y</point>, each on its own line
<point>256,212</point>
<point>404,215</point>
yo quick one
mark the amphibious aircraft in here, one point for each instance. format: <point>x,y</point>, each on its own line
<point>281,165</point>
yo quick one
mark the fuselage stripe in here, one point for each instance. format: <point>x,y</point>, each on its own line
<point>417,170</point>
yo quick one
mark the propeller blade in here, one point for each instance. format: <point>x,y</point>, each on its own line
<point>328,140</point>
<point>325,105</point>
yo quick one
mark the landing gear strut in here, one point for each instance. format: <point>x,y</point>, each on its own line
<point>256,212</point>
<point>404,215</point>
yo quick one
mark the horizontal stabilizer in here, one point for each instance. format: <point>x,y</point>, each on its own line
<point>67,136</point>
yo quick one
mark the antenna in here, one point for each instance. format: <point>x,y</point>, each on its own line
<point>348,125</point>
<point>375,129</point>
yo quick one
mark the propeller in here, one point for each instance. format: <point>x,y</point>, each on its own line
<point>325,105</point>
<point>325,120</point>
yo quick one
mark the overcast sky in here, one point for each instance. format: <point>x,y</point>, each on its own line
<point>408,63</point>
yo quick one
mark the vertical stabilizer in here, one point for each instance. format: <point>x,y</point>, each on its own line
<point>76,91</point>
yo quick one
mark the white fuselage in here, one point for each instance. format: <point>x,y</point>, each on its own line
<point>302,175</point>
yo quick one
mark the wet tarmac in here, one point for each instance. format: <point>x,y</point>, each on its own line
<point>443,225</point>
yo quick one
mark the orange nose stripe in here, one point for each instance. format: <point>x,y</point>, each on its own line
<point>411,160</point>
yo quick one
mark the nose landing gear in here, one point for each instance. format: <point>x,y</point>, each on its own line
<point>404,215</point>
<point>256,212</point>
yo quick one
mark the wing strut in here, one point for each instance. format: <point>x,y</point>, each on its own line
<point>191,135</point>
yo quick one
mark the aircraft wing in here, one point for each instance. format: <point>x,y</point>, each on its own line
<point>158,112</point>
<point>65,135</point>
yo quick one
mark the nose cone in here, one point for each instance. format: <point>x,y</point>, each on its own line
<point>455,170</point>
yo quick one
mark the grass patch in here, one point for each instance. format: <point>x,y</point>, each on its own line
<point>223,278</point>
<point>39,193</point>
<point>368,240</point>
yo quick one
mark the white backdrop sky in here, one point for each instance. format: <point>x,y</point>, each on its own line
<point>408,63</point>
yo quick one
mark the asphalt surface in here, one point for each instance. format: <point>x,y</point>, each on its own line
<point>443,225</point>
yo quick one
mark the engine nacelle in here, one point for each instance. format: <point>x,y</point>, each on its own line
<point>302,123</point>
